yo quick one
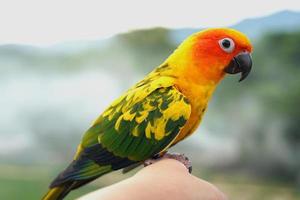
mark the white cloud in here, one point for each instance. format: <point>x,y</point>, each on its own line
<point>50,21</point>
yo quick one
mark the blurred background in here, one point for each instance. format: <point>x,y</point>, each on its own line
<point>57,74</point>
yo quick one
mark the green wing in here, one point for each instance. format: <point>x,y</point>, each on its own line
<point>134,128</point>
<point>140,129</point>
<point>141,123</point>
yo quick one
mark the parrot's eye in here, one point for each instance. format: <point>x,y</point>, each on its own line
<point>227,45</point>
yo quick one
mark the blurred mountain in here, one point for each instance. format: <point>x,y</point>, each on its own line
<point>284,21</point>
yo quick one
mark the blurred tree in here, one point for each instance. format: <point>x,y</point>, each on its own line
<point>276,84</point>
<point>149,47</point>
<point>282,69</point>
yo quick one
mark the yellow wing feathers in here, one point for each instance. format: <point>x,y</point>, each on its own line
<point>155,95</point>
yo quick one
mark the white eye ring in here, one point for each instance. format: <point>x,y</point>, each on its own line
<point>227,45</point>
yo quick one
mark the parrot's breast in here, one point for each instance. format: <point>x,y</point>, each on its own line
<point>198,96</point>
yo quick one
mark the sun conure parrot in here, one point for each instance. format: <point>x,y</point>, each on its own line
<point>159,111</point>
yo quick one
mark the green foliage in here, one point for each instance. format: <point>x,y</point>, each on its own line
<point>275,83</point>
<point>277,59</point>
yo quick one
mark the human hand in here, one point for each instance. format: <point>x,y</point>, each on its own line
<point>166,179</point>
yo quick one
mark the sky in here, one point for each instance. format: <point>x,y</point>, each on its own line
<point>47,22</point>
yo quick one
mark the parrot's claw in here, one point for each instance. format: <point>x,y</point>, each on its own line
<point>179,157</point>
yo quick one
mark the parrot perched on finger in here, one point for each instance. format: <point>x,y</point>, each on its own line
<point>159,111</point>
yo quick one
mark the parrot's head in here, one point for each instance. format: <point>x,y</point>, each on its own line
<point>217,51</point>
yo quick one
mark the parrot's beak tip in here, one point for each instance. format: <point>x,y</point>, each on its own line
<point>241,63</point>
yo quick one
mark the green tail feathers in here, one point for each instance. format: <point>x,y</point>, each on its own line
<point>72,178</point>
<point>57,193</point>
<point>61,191</point>
<point>94,162</point>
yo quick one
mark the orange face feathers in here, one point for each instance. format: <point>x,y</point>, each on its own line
<point>208,45</point>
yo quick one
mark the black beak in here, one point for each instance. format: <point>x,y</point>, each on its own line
<point>240,63</point>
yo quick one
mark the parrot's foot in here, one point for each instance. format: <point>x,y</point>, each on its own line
<point>179,157</point>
